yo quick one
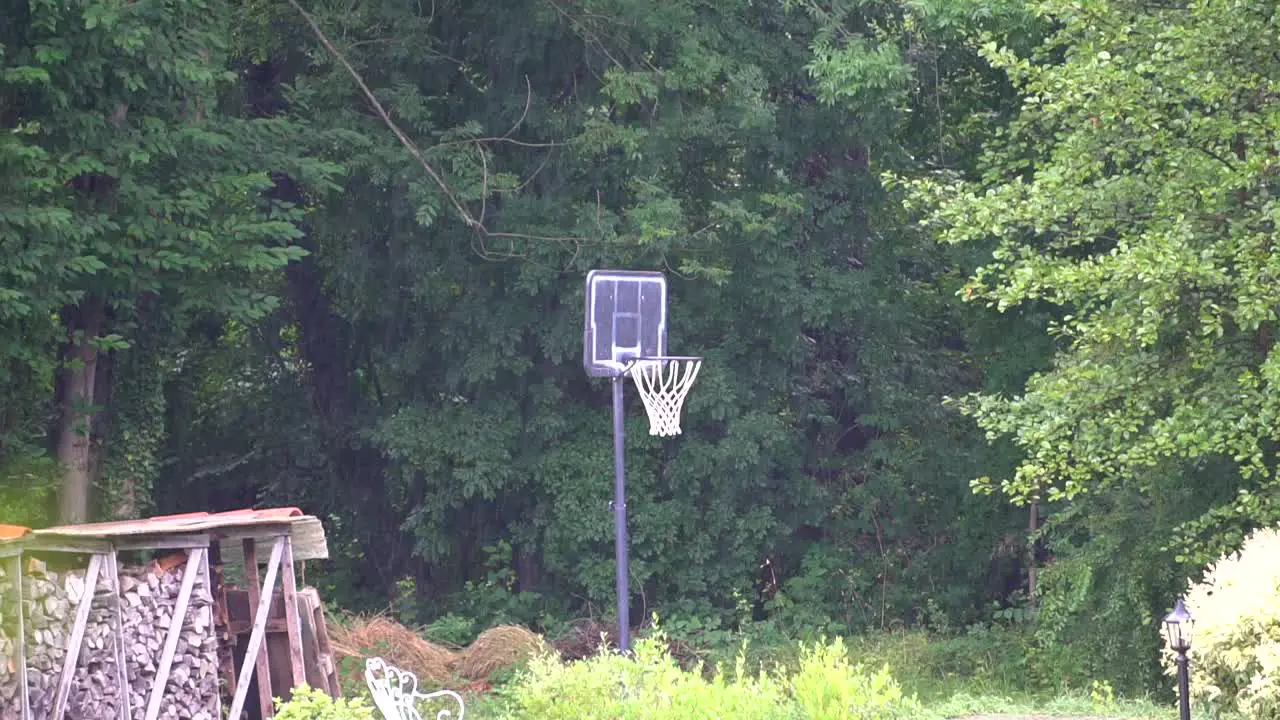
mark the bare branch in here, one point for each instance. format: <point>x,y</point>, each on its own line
<point>467,218</point>
<point>386,118</point>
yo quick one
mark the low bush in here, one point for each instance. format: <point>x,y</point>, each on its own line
<point>1236,608</point>
<point>653,686</point>
<point>310,704</point>
<point>827,687</point>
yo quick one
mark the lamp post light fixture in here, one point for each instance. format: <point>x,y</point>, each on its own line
<point>1177,631</point>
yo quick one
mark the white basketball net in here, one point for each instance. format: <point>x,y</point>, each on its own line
<point>663,385</point>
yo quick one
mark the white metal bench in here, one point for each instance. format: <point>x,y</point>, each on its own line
<point>395,692</point>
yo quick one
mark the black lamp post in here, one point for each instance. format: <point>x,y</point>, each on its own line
<point>1177,630</point>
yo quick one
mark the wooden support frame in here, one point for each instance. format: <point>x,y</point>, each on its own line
<point>262,665</point>
<point>253,653</point>
<point>292,618</point>
<point>122,670</point>
<point>77,635</point>
<point>195,561</point>
<point>14,561</point>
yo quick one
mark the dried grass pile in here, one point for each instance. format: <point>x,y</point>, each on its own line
<point>498,648</point>
<point>585,639</point>
<point>379,636</point>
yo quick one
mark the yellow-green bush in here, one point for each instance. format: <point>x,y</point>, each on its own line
<point>827,688</point>
<point>1235,657</point>
<point>310,704</point>
<point>652,686</point>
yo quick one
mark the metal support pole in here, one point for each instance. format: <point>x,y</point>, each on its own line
<point>1184,688</point>
<point>620,515</point>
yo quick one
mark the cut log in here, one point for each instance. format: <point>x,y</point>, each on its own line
<point>145,605</point>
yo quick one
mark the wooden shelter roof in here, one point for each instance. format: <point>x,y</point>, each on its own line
<point>305,531</point>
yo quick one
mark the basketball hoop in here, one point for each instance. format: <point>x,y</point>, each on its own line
<point>663,382</point>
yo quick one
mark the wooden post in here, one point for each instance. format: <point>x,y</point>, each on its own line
<point>222,617</point>
<point>122,671</point>
<point>252,585</point>
<point>208,591</point>
<point>196,557</point>
<point>77,636</point>
<point>325,651</point>
<point>24,691</point>
<point>289,589</point>
<point>253,653</point>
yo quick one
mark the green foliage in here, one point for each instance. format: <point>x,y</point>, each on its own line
<point>652,685</point>
<point>28,483</point>
<point>827,687</point>
<point>1145,222</point>
<point>1236,649</point>
<point>443,409</point>
<point>309,704</point>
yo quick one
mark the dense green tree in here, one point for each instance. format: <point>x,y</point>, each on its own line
<point>1133,195</point>
<point>436,388</point>
<point>128,198</point>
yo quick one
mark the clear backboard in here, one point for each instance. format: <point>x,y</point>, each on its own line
<point>626,318</point>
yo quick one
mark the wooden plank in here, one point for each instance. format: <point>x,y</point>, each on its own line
<point>290,586</point>
<point>324,651</point>
<point>328,662</point>
<point>253,651</point>
<point>222,617</point>
<point>274,626</point>
<point>266,706</point>
<point>309,542</point>
<point>162,542</point>
<point>122,670</point>
<point>252,532</point>
<point>206,575</point>
<point>15,567</point>
<point>77,637</point>
<point>171,636</point>
<point>307,534</point>
<point>72,545</point>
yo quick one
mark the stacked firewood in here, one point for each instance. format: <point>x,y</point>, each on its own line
<point>146,604</point>
<point>50,601</point>
<point>150,595</point>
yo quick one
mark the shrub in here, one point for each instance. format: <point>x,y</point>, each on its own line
<point>1236,608</point>
<point>654,687</point>
<point>827,688</point>
<point>651,686</point>
<point>309,704</point>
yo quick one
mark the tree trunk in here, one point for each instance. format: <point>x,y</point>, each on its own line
<point>78,379</point>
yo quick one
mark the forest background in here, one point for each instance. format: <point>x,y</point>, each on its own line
<point>985,289</point>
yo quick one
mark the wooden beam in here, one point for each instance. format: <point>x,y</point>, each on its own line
<point>189,573</point>
<point>122,670</point>
<point>69,545</point>
<point>324,651</point>
<point>263,665</point>
<point>290,587</point>
<point>77,637</point>
<point>24,692</point>
<point>206,575</point>
<point>162,542</point>
<point>253,652</point>
<point>222,616</point>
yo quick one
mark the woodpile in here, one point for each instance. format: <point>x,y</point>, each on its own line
<point>146,601</point>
